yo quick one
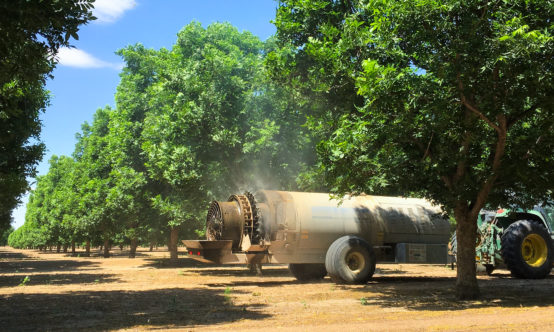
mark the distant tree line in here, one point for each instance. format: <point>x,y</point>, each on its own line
<point>191,124</point>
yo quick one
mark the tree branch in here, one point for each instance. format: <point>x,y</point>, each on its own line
<point>501,143</point>
<point>497,162</point>
<point>468,105</point>
<point>447,181</point>
<point>522,115</point>
<point>460,169</point>
<point>427,152</point>
<point>479,114</point>
<point>537,142</point>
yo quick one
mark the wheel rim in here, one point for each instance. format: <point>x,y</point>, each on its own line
<point>355,261</point>
<point>533,250</point>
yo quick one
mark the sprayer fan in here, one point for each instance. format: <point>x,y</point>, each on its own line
<point>214,223</point>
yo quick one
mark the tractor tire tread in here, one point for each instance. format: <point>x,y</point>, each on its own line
<point>511,250</point>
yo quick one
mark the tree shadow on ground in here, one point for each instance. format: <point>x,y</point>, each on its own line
<point>94,252</point>
<point>385,269</point>
<point>161,308</point>
<point>195,267</point>
<point>256,283</point>
<point>239,271</point>
<point>114,253</point>
<point>47,252</point>
<point>267,271</point>
<point>5,254</point>
<point>30,265</point>
<point>428,293</point>
<point>166,263</point>
<point>268,283</point>
<point>56,279</point>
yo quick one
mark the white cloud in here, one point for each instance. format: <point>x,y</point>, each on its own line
<point>73,57</point>
<point>111,10</point>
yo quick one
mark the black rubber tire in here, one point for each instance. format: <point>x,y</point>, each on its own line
<point>512,242</point>
<point>350,260</point>
<point>308,272</point>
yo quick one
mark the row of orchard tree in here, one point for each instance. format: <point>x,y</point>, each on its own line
<point>449,100</point>
<point>191,124</point>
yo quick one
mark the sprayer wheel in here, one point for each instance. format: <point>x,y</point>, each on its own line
<point>350,260</point>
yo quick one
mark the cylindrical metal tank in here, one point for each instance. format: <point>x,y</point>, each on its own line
<point>299,226</point>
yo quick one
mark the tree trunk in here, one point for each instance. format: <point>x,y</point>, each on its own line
<point>65,247</point>
<point>87,248</point>
<point>151,246</point>
<point>106,248</point>
<point>73,247</point>
<point>133,248</point>
<point>173,237</point>
<point>466,234</point>
<point>58,248</point>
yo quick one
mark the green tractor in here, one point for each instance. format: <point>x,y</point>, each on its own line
<point>520,240</point>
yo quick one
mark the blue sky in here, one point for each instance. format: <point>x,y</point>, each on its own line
<point>87,75</point>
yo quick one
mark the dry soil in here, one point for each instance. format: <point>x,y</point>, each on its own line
<point>54,291</point>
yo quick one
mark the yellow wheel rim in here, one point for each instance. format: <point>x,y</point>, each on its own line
<point>355,261</point>
<point>533,250</point>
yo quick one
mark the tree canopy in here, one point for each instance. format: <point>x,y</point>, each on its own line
<point>31,32</point>
<point>447,100</point>
<point>191,124</point>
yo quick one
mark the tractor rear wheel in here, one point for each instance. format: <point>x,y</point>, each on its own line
<point>527,250</point>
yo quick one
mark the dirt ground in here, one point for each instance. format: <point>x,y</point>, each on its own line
<point>51,291</point>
